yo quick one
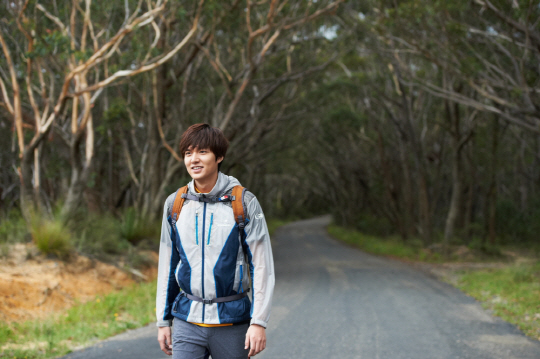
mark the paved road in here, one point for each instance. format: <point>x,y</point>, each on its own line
<point>333,301</point>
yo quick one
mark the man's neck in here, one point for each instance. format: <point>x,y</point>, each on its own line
<point>206,186</point>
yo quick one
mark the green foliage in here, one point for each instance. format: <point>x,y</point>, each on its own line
<point>486,249</point>
<point>513,293</point>
<point>83,55</point>
<point>83,324</point>
<point>53,42</point>
<point>13,228</point>
<point>181,13</point>
<point>346,118</point>
<point>6,334</point>
<point>515,225</point>
<point>116,116</point>
<point>100,236</point>
<point>134,229</point>
<point>103,236</point>
<point>52,237</point>
<point>456,29</point>
<point>373,225</point>
<point>97,235</point>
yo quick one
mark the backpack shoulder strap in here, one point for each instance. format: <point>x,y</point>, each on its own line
<point>238,205</point>
<point>178,203</point>
<point>239,211</point>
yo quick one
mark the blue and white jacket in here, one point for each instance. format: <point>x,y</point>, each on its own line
<point>202,255</point>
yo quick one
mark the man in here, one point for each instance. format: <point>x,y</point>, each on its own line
<point>209,260</point>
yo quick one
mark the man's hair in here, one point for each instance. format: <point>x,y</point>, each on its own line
<point>202,135</point>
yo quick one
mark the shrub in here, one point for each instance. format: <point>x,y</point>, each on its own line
<point>13,228</point>
<point>52,237</point>
<point>100,236</point>
<point>516,226</point>
<point>134,229</point>
<point>369,224</point>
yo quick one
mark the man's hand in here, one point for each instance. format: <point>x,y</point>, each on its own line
<point>164,339</point>
<point>255,339</point>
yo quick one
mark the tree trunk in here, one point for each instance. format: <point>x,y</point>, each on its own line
<point>491,197</point>
<point>80,170</point>
<point>79,178</point>
<point>468,213</point>
<point>28,206</point>
<point>397,216</point>
<point>419,159</point>
<point>407,208</point>
<point>425,211</point>
<point>457,182</point>
<point>455,202</point>
<point>153,171</point>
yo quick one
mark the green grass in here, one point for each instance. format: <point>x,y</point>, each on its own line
<point>513,293</point>
<point>52,237</point>
<point>274,224</point>
<point>134,229</point>
<point>12,230</point>
<point>83,324</point>
<point>391,246</point>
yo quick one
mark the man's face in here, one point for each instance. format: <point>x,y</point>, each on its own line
<point>201,164</point>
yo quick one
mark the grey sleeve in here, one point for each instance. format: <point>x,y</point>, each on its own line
<point>165,286</point>
<point>261,263</point>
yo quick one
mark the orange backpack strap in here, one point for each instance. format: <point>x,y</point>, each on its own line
<point>178,203</point>
<point>240,216</point>
<point>238,205</point>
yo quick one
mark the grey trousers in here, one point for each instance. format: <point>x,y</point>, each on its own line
<point>190,341</point>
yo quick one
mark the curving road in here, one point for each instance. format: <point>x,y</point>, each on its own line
<point>333,301</point>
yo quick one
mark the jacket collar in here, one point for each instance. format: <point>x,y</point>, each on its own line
<point>223,184</point>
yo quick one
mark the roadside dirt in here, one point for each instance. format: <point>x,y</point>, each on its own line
<point>35,288</point>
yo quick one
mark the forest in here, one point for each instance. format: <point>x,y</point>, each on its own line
<point>411,118</point>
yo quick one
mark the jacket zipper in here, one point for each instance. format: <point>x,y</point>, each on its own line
<point>210,229</point>
<point>203,222</point>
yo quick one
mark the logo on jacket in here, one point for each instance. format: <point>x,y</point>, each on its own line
<point>259,216</point>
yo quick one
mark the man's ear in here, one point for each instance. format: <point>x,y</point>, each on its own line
<point>220,159</point>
